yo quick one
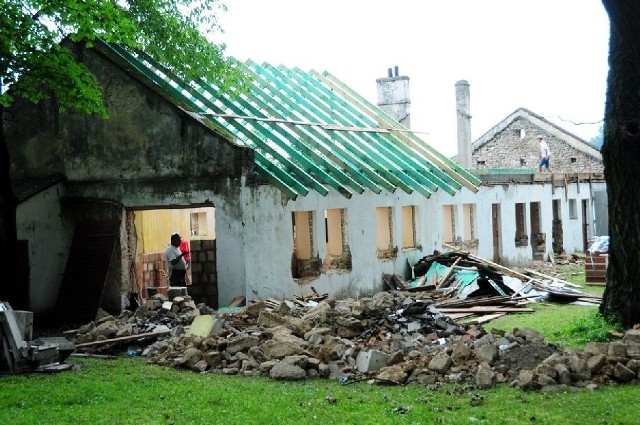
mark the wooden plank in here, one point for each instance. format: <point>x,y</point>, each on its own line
<point>455,316</point>
<point>486,318</point>
<point>447,275</point>
<point>496,266</point>
<point>552,278</point>
<point>122,339</point>
<point>486,309</point>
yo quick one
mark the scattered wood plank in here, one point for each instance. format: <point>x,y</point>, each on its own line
<point>456,316</point>
<point>122,339</point>
<point>443,280</point>
<point>486,309</point>
<point>496,266</point>
<point>486,318</point>
<point>564,282</point>
<point>94,356</point>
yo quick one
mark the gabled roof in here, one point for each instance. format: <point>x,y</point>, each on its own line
<point>550,128</point>
<point>309,131</point>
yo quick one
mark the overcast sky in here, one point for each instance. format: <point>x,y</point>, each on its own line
<point>548,56</point>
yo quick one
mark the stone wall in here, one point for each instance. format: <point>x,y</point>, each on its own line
<point>145,138</point>
<point>516,147</point>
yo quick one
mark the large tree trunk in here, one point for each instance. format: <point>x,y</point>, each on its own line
<point>11,288</point>
<point>621,157</point>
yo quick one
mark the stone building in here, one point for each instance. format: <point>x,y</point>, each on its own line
<point>512,144</point>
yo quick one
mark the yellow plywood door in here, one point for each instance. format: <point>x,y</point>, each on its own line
<point>302,234</point>
<point>383,228</point>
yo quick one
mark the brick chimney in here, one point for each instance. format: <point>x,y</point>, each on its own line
<point>463,123</point>
<point>393,96</point>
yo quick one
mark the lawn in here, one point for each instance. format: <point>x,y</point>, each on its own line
<point>127,390</point>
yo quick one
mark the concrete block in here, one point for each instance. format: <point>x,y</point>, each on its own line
<point>372,360</point>
<point>176,291</point>
<point>205,325</point>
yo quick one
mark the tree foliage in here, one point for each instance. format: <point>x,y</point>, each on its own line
<point>36,66</point>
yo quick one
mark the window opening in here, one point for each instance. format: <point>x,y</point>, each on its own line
<point>538,238</point>
<point>448,223</point>
<point>469,240</point>
<point>303,263</point>
<point>556,228</point>
<point>521,237</point>
<point>338,255</point>
<point>409,226</point>
<point>573,209</point>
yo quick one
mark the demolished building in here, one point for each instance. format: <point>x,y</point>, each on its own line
<point>309,184</point>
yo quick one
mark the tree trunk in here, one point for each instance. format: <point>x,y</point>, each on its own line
<point>11,288</point>
<point>621,158</point>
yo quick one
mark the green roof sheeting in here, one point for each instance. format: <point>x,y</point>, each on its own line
<point>311,132</point>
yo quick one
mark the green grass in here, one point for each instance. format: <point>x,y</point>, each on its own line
<point>129,391</point>
<point>568,325</point>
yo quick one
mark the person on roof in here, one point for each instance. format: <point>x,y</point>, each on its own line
<point>545,154</point>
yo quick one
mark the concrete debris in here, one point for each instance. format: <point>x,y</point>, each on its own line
<point>20,354</point>
<point>392,337</point>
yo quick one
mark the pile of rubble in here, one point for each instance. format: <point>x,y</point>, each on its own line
<point>392,337</point>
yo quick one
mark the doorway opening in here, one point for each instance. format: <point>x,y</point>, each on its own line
<point>495,224</point>
<point>538,238</point>
<point>149,232</point>
<point>556,229</point>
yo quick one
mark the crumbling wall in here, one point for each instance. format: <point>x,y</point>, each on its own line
<point>144,138</point>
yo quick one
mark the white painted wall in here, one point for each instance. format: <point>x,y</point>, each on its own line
<point>39,221</point>
<point>254,235</point>
<point>268,234</point>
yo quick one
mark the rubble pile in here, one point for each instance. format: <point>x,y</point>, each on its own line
<point>157,315</point>
<point>392,337</point>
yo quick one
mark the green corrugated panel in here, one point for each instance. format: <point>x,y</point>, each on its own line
<point>300,137</point>
<point>299,109</point>
<point>330,136</point>
<point>361,140</point>
<point>400,159</point>
<point>453,170</point>
<point>416,157</point>
<point>275,134</point>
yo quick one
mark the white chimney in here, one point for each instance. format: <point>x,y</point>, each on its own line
<point>463,122</point>
<point>393,96</point>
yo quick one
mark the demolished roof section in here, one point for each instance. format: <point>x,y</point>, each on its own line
<point>309,131</point>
